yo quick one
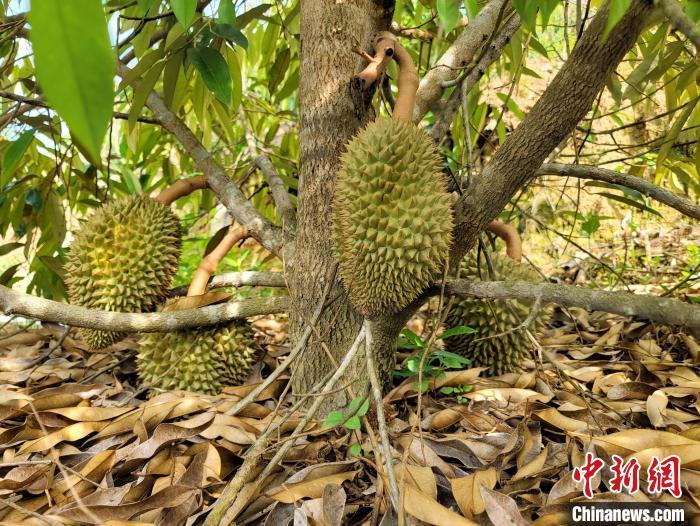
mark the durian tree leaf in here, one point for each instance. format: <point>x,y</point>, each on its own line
<point>14,154</point>
<point>75,66</point>
<point>252,14</point>
<point>184,11</point>
<point>454,331</point>
<point>214,71</point>
<point>617,9</point>
<point>630,202</point>
<point>33,199</point>
<point>8,274</point>
<point>9,247</point>
<point>230,33</point>
<point>278,70</point>
<point>226,12</point>
<point>448,13</point>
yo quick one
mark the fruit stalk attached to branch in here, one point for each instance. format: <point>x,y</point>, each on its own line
<point>182,188</point>
<point>202,360</point>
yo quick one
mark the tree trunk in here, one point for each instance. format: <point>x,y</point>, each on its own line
<point>329,117</point>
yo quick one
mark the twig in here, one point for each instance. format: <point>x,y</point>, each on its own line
<point>239,279</point>
<point>279,192</point>
<point>680,21</point>
<point>218,515</point>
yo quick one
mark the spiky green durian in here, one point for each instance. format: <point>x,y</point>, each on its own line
<point>202,360</point>
<point>392,216</point>
<point>123,259</point>
<point>494,344</point>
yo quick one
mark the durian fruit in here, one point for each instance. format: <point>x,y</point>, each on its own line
<point>123,259</point>
<point>392,218</point>
<point>203,360</point>
<point>494,344</point>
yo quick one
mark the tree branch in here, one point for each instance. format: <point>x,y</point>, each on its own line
<point>457,57</point>
<point>680,203</point>
<point>564,103</point>
<point>680,21</point>
<point>668,311</point>
<point>488,57</point>
<point>239,279</point>
<point>278,191</point>
<point>233,199</point>
<point>17,303</point>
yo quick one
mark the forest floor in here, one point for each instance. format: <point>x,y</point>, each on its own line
<point>83,443</point>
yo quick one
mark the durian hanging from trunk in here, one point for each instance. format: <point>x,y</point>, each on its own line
<point>392,217</point>
<point>123,259</point>
<point>202,360</point>
<point>498,343</point>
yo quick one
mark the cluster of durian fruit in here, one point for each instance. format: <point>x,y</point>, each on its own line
<point>392,230</point>
<point>123,259</point>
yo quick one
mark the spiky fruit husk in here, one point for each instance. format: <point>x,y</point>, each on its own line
<point>123,259</point>
<point>392,218</point>
<point>203,360</point>
<point>494,344</point>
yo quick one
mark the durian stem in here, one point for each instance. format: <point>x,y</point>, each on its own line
<point>383,52</point>
<point>509,234</point>
<point>408,82</point>
<point>208,265</point>
<point>182,188</point>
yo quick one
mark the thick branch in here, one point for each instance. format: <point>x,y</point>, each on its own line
<point>233,199</point>
<point>661,310</point>
<point>17,303</point>
<point>680,21</point>
<point>680,203</point>
<point>457,57</point>
<point>240,279</point>
<point>564,103</point>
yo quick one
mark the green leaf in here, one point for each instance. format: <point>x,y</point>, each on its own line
<point>227,12</point>
<point>630,202</point>
<point>278,69</point>
<point>353,423</point>
<point>33,199</point>
<point>214,71</point>
<point>448,13</point>
<point>334,418</point>
<point>250,15</point>
<point>8,274</point>
<point>9,247</point>
<point>356,450</point>
<point>184,11</point>
<point>617,9</point>
<point>75,66</point>
<point>230,33</point>
<point>359,406</point>
<point>591,225</point>
<point>527,9</point>
<point>455,331</point>
<point>412,339</point>
<point>13,155</point>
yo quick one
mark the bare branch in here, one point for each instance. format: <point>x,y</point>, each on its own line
<point>489,56</point>
<point>457,57</point>
<point>411,32</point>
<point>668,311</point>
<point>233,199</point>
<point>240,279</point>
<point>680,21</point>
<point>680,203</point>
<point>13,302</point>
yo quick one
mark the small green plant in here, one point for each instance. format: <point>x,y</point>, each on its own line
<point>436,362</point>
<point>458,391</point>
<point>350,419</point>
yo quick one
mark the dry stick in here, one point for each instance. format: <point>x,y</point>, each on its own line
<point>381,419</point>
<point>182,188</point>
<point>680,21</point>
<point>292,355</point>
<point>207,266</point>
<point>407,83</point>
<point>218,517</point>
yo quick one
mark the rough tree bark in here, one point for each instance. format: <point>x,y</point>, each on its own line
<point>329,117</point>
